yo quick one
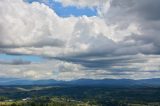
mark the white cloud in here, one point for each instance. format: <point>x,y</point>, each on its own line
<point>80,3</point>
<point>35,24</point>
<point>36,29</point>
<point>122,28</point>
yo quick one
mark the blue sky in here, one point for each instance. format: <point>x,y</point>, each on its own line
<point>22,57</point>
<point>69,10</point>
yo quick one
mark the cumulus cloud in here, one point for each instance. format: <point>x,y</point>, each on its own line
<point>119,42</point>
<point>31,25</point>
<point>131,26</point>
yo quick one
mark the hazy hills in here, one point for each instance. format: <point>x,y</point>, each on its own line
<point>82,82</point>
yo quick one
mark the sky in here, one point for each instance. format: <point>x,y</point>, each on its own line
<point>74,39</point>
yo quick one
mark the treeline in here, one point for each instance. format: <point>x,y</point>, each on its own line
<point>44,101</point>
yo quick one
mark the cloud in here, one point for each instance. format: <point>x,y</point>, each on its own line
<point>86,3</point>
<point>120,42</point>
<point>132,28</point>
<point>15,62</point>
<point>31,25</point>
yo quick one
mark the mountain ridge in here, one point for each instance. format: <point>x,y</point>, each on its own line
<point>82,82</point>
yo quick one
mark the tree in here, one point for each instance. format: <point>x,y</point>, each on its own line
<point>13,104</point>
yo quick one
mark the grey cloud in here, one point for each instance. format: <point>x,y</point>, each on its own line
<point>134,10</point>
<point>113,74</point>
<point>149,9</point>
<point>38,44</point>
<point>102,63</point>
<point>15,62</point>
<point>49,42</point>
<point>123,13</point>
<point>87,37</point>
<point>110,42</point>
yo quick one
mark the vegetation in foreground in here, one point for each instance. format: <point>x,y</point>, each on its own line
<point>79,96</point>
<point>43,101</point>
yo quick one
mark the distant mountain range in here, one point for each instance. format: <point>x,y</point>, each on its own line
<point>82,82</point>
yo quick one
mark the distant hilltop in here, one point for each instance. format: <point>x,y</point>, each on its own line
<point>83,82</point>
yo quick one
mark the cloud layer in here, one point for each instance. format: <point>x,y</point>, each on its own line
<point>120,42</point>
